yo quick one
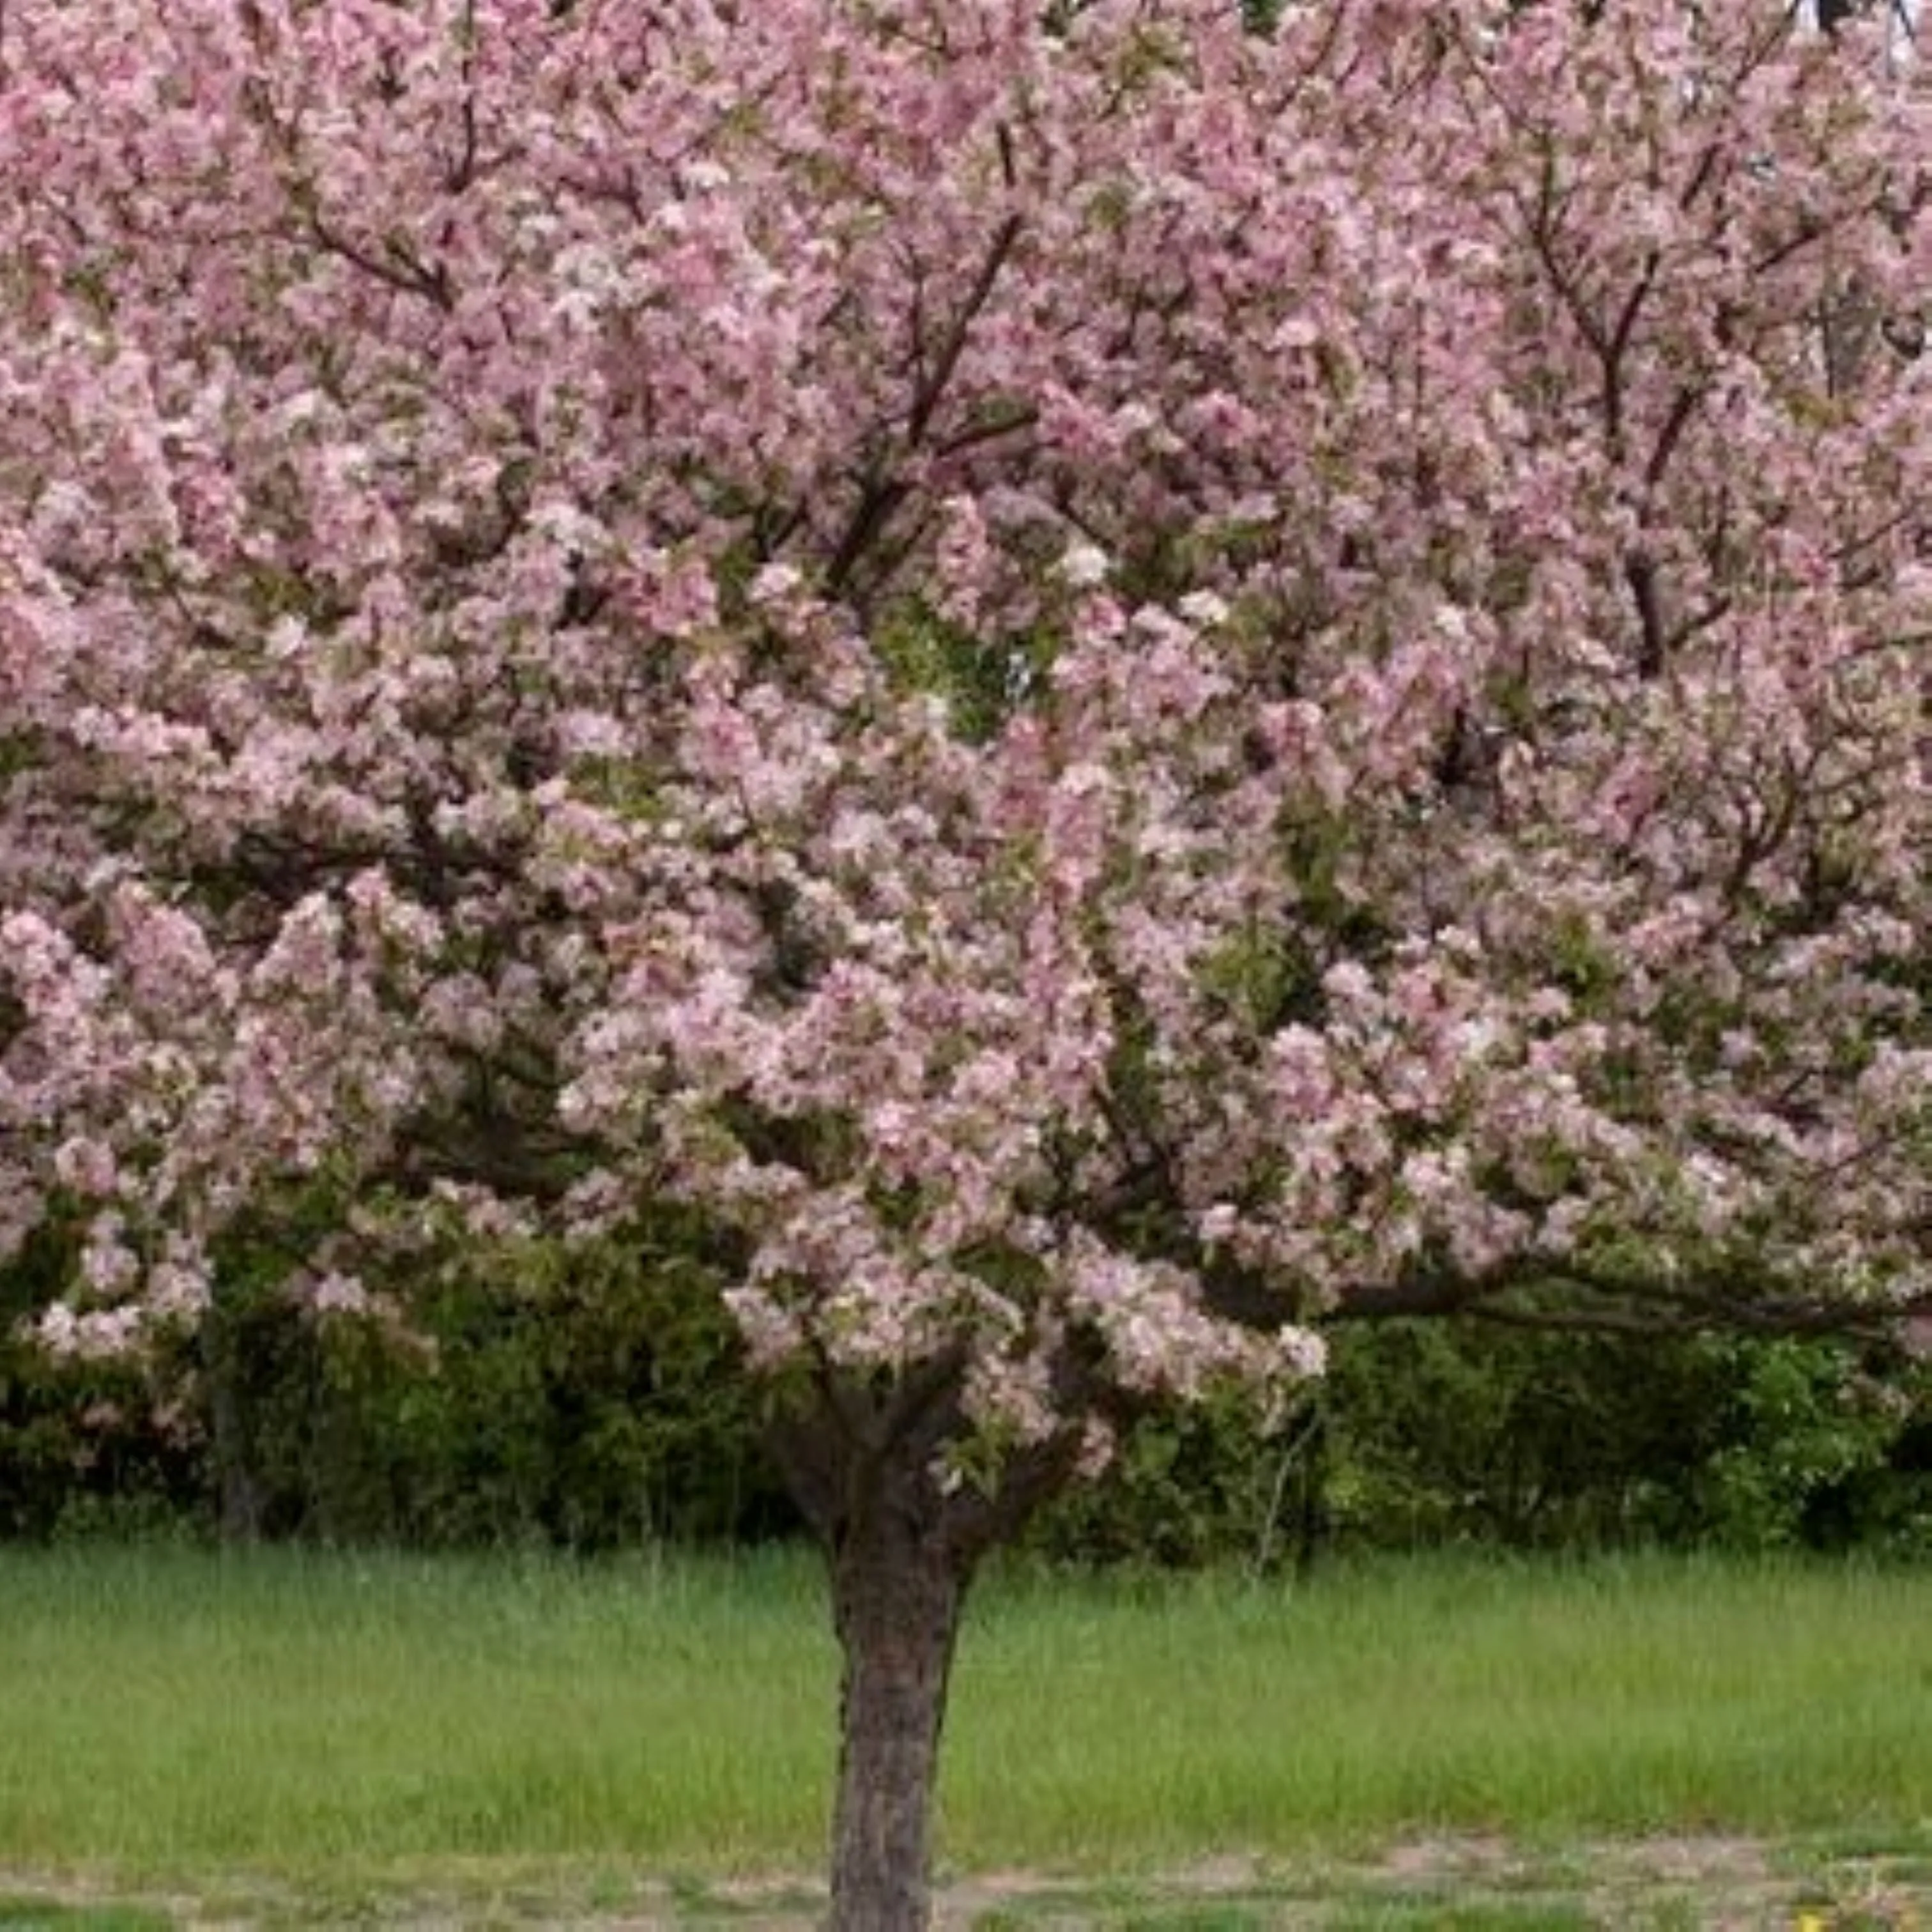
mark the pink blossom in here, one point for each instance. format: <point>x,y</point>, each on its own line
<point>1038,677</point>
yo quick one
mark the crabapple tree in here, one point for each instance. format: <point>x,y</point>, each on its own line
<point>1105,685</point>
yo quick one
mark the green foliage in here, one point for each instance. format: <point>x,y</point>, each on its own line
<point>1817,1449</point>
<point>84,1446</point>
<point>1448,1434</point>
<point>1432,1434</point>
<point>982,681</point>
<point>1201,1486</point>
<point>592,1399</point>
<point>1477,1434</point>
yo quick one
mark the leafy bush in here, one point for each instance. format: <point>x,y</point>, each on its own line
<point>84,1444</point>
<point>589,1401</point>
<point>1433,1434</point>
<point>1818,1447</point>
<point>1211,1484</point>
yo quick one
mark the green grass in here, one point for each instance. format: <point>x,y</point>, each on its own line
<point>43,1915</point>
<point>1635,1697</point>
<point>171,1711</point>
<point>175,1708</point>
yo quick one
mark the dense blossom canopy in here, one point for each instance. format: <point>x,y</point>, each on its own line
<point>1089,673</point>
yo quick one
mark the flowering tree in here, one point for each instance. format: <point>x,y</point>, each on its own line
<point>1107,684</point>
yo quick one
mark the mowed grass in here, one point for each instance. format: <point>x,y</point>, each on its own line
<point>176,1710</point>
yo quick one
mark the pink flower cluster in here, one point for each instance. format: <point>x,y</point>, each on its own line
<point>1084,674</point>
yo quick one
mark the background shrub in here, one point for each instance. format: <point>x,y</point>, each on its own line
<point>589,1401</point>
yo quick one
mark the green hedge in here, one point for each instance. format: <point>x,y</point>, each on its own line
<point>594,1401</point>
<point>1427,1435</point>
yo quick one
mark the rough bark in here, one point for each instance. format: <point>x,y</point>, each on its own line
<point>897,1589</point>
<point>861,1463</point>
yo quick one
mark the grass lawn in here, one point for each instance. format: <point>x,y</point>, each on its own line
<point>188,1737</point>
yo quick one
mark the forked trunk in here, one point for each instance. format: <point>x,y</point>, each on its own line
<point>897,1590</point>
<point>903,1546</point>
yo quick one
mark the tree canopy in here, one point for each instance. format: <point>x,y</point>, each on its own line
<point>1103,682</point>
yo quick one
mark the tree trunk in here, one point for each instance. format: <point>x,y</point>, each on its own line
<point>861,1464</point>
<point>897,1587</point>
<point>241,1497</point>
